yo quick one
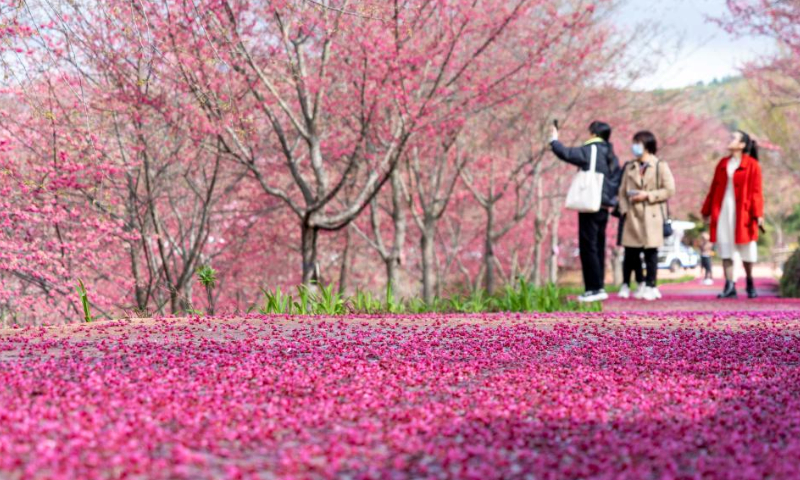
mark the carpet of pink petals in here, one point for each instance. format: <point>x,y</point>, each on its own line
<point>617,395</point>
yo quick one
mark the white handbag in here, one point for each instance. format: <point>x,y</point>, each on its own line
<point>586,192</point>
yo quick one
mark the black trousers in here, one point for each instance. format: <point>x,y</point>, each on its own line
<point>632,264</point>
<point>592,243</point>
<point>633,261</point>
<point>705,263</point>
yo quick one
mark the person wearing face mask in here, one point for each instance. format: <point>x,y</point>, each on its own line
<point>734,209</point>
<point>646,184</point>
<point>629,267</point>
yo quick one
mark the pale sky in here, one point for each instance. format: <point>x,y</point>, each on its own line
<point>707,51</point>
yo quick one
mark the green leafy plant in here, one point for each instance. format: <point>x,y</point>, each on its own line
<point>480,301</point>
<point>392,305</point>
<point>519,299</point>
<point>328,302</point>
<point>276,302</point>
<point>87,314</point>
<point>574,306</point>
<point>325,301</point>
<point>416,306</point>
<point>365,302</point>
<point>522,297</point>
<point>456,303</point>
<point>303,305</point>
<point>525,297</point>
<point>208,278</point>
<point>549,299</point>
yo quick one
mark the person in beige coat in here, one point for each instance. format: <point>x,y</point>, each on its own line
<point>645,186</point>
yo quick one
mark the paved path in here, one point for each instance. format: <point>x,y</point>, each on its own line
<point>695,296</point>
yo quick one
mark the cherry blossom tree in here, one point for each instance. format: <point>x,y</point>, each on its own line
<point>775,78</point>
<point>51,237</point>
<point>305,65</point>
<point>173,176</point>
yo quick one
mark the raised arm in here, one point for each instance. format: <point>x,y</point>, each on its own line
<point>573,155</point>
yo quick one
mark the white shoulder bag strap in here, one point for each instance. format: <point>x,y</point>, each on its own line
<point>593,162</point>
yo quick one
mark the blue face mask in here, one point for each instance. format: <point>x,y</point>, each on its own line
<point>638,150</point>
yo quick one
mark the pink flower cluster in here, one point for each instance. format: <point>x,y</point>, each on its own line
<point>483,397</point>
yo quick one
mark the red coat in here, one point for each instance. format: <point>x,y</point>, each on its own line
<point>748,188</point>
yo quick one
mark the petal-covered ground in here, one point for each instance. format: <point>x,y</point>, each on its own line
<point>629,394</point>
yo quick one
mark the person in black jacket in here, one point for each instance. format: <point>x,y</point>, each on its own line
<point>592,226</point>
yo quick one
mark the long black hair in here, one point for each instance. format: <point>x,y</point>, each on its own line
<point>750,145</point>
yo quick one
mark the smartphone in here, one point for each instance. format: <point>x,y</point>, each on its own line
<point>633,193</point>
<point>555,123</point>
<point>762,229</point>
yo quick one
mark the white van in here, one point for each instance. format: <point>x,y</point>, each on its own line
<point>674,255</point>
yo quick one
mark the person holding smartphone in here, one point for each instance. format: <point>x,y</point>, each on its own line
<point>629,267</point>
<point>734,209</point>
<point>646,184</point>
<point>592,226</point>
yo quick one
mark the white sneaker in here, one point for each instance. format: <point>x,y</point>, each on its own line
<point>656,292</point>
<point>708,281</point>
<point>651,293</point>
<point>624,291</point>
<point>640,291</point>
<point>593,296</point>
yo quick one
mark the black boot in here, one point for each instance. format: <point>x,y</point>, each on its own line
<point>730,290</point>
<point>751,289</point>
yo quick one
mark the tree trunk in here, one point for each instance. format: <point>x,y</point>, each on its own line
<point>512,274</point>
<point>428,261</point>
<point>392,272</point>
<point>309,253</point>
<point>210,298</point>
<point>553,267</point>
<point>538,245</point>
<point>399,221</point>
<point>488,251</point>
<point>185,296</point>
<point>344,270</point>
<point>538,227</point>
<point>139,289</point>
<point>173,300</point>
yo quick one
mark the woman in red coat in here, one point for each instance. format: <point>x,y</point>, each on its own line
<point>734,208</point>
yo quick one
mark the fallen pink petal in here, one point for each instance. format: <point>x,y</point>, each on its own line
<point>629,394</point>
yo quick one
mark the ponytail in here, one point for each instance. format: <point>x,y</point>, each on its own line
<point>750,145</point>
<point>753,151</point>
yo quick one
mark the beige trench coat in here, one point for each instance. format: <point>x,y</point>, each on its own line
<point>644,221</point>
